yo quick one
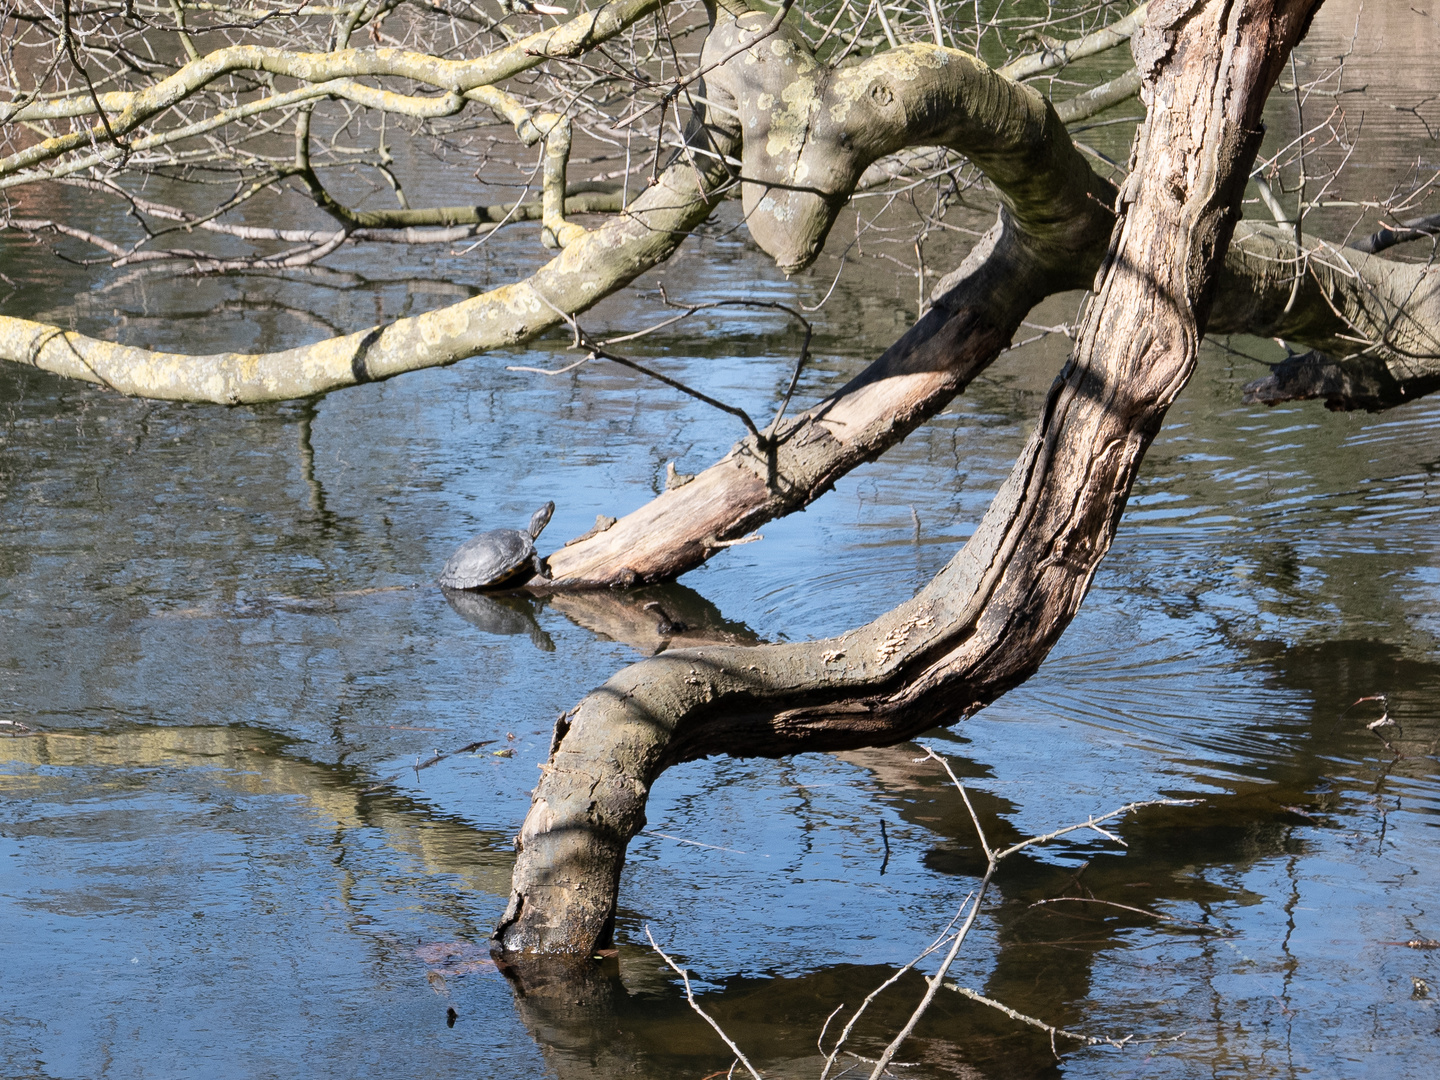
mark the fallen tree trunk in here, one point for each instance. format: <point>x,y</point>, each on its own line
<point>989,617</point>
<point>1344,300</point>
<point>1356,382</point>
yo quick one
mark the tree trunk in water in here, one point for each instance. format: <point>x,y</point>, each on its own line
<point>988,619</point>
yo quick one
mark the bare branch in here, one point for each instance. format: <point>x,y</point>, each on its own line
<point>690,997</point>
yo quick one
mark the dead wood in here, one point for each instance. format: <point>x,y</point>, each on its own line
<point>989,617</point>
<point>1051,237</point>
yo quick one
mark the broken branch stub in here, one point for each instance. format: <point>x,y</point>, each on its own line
<point>987,620</point>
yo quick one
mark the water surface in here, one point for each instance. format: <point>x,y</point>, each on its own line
<point>218,857</point>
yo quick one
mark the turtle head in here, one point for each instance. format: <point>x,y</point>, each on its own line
<point>541,519</point>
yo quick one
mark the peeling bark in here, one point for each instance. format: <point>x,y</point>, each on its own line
<point>989,617</point>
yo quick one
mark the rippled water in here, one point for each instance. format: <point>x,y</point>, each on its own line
<point>218,858</point>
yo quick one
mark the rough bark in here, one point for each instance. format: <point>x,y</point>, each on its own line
<point>1052,234</point>
<point>810,131</point>
<point>988,619</point>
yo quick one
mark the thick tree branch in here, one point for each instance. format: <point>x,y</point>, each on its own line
<point>988,619</point>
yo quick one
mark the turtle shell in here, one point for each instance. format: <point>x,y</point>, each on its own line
<point>489,560</point>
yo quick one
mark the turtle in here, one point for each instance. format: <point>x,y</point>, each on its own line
<point>497,558</point>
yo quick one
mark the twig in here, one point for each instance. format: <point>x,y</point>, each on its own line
<point>1224,931</point>
<point>733,410</point>
<point>690,309</point>
<point>598,351</point>
<point>697,843</point>
<point>1051,1030</point>
<point>713,543</point>
<point>690,996</point>
<point>550,371</point>
<point>993,860</point>
<point>849,1027</point>
<point>435,759</point>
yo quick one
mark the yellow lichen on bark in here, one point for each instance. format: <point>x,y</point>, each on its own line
<point>594,265</point>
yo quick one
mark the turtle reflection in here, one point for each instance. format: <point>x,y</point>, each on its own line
<point>500,614</point>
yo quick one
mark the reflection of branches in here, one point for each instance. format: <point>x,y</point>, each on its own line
<point>993,858</point>
<point>690,997</point>
<point>969,912</point>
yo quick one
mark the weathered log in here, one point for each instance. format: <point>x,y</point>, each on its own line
<point>989,617</point>
<point>1344,300</point>
<point>1373,324</point>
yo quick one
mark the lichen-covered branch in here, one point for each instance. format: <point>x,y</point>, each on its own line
<point>810,131</point>
<point>592,267</point>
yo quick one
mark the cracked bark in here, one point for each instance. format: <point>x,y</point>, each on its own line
<point>989,617</point>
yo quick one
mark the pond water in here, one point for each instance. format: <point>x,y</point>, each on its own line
<point>219,859</point>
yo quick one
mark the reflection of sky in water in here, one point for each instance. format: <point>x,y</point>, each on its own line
<point>226,652</point>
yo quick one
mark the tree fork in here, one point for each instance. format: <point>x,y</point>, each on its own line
<point>988,618</point>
